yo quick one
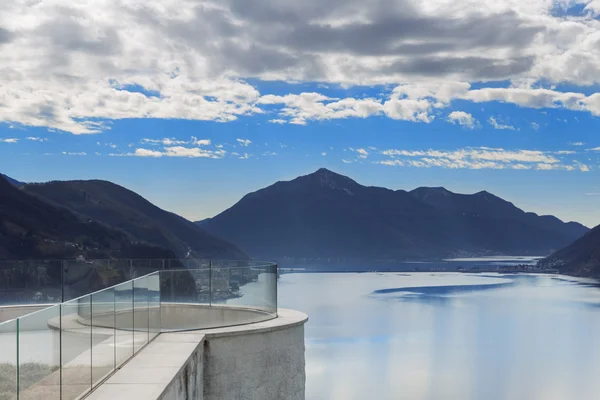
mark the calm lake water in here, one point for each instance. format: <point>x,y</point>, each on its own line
<point>447,336</point>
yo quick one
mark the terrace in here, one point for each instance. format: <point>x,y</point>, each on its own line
<point>147,329</point>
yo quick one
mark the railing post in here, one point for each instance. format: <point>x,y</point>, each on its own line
<point>60,350</point>
<point>172,288</point>
<point>62,281</point>
<point>210,283</point>
<point>91,344</point>
<point>18,372</point>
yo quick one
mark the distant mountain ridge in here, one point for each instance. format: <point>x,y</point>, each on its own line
<point>580,258</point>
<point>14,182</point>
<point>140,220</point>
<point>327,215</point>
<point>486,205</point>
<point>31,228</point>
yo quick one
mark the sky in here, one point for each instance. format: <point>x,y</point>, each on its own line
<point>193,104</point>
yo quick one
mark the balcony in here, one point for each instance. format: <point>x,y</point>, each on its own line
<point>176,332</point>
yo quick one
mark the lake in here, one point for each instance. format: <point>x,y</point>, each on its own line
<point>447,336</point>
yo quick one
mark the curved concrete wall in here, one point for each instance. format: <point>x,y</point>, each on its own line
<point>259,361</point>
<point>263,361</point>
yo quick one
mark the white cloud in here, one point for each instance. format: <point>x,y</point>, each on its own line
<point>147,153</point>
<point>392,163</point>
<point>202,142</point>
<point>583,167</point>
<point>192,152</point>
<point>277,121</point>
<point>576,143</point>
<point>362,153</point>
<point>178,151</point>
<point>480,158</point>
<point>81,153</point>
<point>175,142</point>
<point>244,142</point>
<point>546,167</point>
<point>37,139</point>
<point>595,149</point>
<point>462,118</point>
<point>535,125</point>
<point>498,125</point>
<point>9,140</point>
<point>323,154</point>
<point>193,60</point>
<point>304,107</point>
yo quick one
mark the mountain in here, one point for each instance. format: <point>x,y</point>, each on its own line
<point>12,181</point>
<point>31,228</point>
<point>202,221</point>
<point>580,258</point>
<point>142,221</point>
<point>327,215</point>
<point>485,205</point>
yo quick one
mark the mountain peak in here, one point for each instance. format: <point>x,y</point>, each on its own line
<point>333,180</point>
<point>324,172</point>
<point>488,196</point>
<point>438,190</point>
<point>12,181</point>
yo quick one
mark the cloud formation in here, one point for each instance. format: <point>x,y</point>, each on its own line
<point>97,61</point>
<point>244,142</point>
<point>492,121</point>
<point>176,151</point>
<point>479,158</point>
<point>462,118</point>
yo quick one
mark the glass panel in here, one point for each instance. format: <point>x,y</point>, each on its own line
<point>8,360</point>
<point>30,282</point>
<point>39,355</point>
<point>154,304</point>
<point>251,289</point>
<point>185,286</point>
<point>179,289</point>
<point>80,278</point>
<point>220,288</point>
<point>140,313</point>
<point>76,345</point>
<point>123,322</point>
<point>103,334</point>
<point>146,267</point>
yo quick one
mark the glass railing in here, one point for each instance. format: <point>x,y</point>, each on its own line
<point>55,281</point>
<point>64,351</point>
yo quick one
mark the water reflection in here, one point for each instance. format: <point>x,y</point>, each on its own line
<point>448,336</point>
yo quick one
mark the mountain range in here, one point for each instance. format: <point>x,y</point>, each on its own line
<point>327,215</point>
<point>318,216</point>
<point>31,228</point>
<point>580,258</point>
<point>128,212</point>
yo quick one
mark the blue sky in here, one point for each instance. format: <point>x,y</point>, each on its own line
<point>195,107</point>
